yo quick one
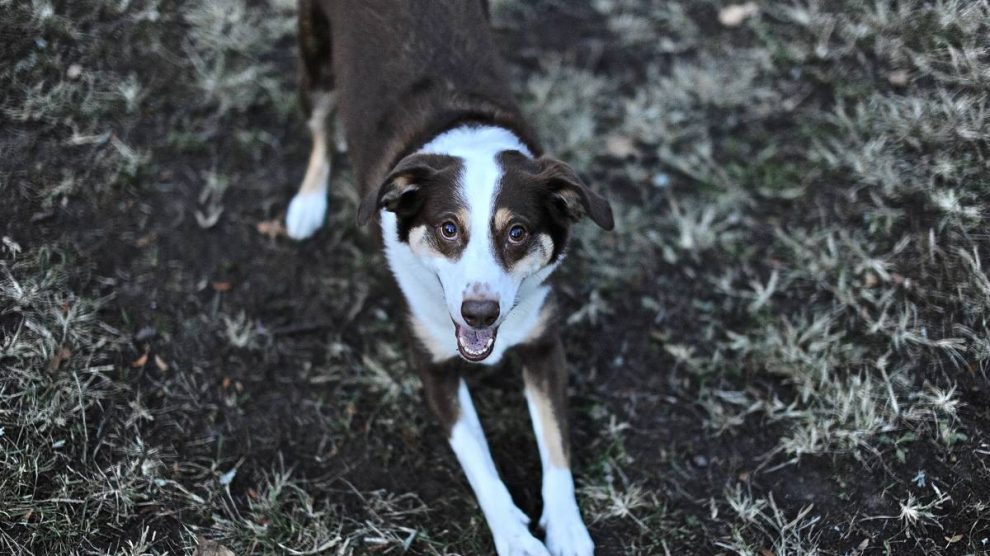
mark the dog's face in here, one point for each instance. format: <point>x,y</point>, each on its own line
<point>485,228</point>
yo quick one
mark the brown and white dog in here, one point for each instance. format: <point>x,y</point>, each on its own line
<point>474,220</point>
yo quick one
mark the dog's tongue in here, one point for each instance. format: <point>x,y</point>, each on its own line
<point>475,341</point>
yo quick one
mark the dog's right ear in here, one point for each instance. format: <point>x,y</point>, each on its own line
<point>399,193</point>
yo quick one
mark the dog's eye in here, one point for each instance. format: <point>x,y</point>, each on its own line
<point>517,234</point>
<point>448,230</point>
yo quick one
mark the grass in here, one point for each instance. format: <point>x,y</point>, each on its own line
<point>782,349</point>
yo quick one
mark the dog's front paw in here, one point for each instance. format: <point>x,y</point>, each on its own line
<point>306,214</point>
<point>518,542</point>
<point>512,536</point>
<point>566,533</point>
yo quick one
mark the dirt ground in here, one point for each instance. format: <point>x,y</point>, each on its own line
<point>782,349</point>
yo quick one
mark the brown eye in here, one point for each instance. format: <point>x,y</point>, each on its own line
<point>448,230</point>
<point>517,234</point>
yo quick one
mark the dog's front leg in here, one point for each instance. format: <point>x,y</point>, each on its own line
<point>308,207</point>
<point>448,396</point>
<point>545,375</point>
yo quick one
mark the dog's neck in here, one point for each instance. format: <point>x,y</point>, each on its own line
<point>478,147</point>
<point>475,142</point>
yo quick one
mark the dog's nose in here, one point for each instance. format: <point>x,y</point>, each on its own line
<point>479,313</point>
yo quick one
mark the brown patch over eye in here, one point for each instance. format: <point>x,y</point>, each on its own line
<point>449,236</point>
<point>438,226</point>
<point>526,200</point>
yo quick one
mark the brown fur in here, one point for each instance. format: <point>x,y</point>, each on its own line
<point>406,71</point>
<point>440,379</point>
<point>545,196</point>
<point>315,74</point>
<point>545,376</point>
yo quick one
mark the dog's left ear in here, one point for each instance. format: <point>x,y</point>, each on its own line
<point>399,192</point>
<point>574,199</point>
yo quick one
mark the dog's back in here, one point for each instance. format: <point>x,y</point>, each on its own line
<point>405,71</point>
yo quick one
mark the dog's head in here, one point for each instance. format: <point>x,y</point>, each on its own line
<point>485,228</point>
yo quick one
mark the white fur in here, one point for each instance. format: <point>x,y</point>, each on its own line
<point>508,524</point>
<point>435,286</point>
<point>306,214</point>
<point>561,519</point>
<point>308,207</point>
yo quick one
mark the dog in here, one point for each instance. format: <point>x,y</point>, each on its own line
<point>474,219</point>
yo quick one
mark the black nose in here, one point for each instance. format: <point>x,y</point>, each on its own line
<point>479,313</point>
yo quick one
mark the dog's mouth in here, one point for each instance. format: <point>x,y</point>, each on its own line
<point>473,344</point>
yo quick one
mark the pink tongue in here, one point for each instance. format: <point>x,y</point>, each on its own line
<point>475,340</point>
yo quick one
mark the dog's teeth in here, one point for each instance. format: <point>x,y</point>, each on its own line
<point>470,350</point>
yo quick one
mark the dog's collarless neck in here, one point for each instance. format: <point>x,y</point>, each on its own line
<point>472,139</point>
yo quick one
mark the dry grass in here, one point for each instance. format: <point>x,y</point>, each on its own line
<point>797,285</point>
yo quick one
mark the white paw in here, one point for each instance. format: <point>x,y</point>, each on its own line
<point>519,542</point>
<point>306,214</point>
<point>566,533</point>
<point>512,536</point>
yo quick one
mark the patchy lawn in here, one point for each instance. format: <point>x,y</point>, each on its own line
<point>782,349</point>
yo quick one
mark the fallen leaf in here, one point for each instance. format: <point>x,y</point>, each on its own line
<point>146,239</point>
<point>140,361</point>
<point>870,280</point>
<point>252,494</point>
<point>271,228</point>
<point>226,382</point>
<point>63,353</point>
<point>733,15</point>
<point>160,363</point>
<point>221,286</point>
<point>954,538</point>
<point>898,78</point>
<point>767,552</point>
<point>206,547</point>
<point>620,146</point>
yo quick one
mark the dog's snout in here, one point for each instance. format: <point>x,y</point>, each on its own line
<point>479,313</point>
